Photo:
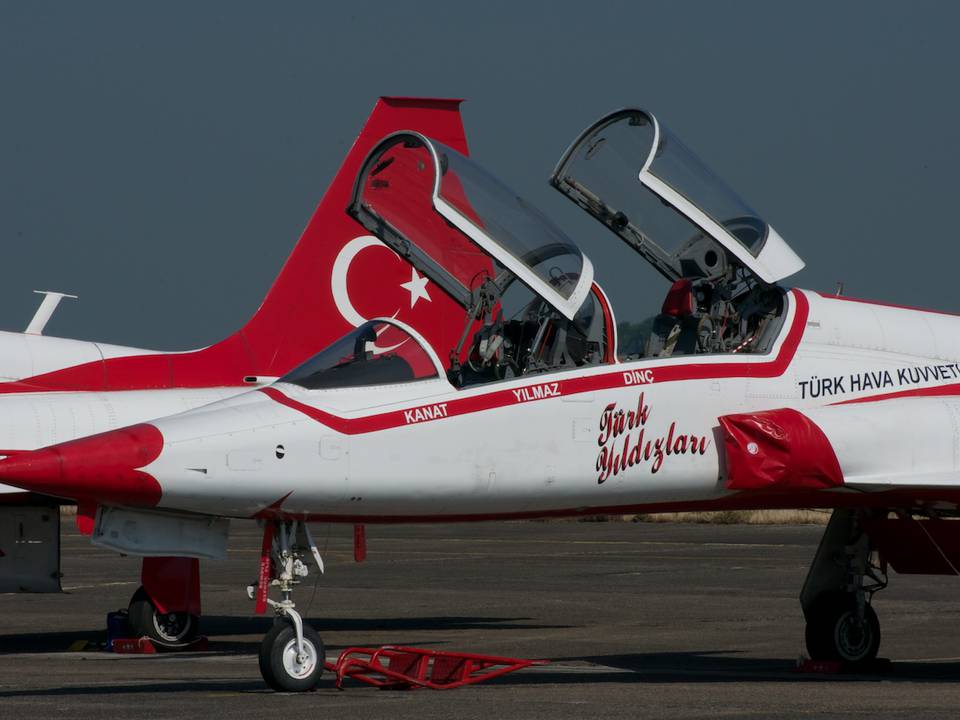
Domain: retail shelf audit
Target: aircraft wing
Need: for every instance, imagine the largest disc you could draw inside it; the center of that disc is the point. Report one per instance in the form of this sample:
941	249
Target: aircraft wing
899	443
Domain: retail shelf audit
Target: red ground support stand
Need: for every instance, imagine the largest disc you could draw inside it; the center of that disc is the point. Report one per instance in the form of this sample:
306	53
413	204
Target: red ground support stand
407	668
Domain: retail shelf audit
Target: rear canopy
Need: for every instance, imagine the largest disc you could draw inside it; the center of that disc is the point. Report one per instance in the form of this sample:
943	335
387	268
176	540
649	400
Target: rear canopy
644	184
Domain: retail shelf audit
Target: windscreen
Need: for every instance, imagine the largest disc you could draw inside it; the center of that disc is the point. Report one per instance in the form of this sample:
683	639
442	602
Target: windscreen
376	353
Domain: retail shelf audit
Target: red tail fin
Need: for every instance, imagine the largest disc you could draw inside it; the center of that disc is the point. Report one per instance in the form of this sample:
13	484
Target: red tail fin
338	275
335	277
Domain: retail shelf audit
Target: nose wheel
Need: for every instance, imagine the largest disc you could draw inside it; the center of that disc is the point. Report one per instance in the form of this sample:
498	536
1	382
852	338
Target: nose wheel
292	655
285	667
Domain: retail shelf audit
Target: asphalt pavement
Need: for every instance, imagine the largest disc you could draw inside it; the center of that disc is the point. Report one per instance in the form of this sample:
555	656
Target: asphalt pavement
637	620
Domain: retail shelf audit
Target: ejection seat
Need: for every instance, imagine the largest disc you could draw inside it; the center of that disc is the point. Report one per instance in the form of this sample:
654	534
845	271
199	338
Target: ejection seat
676	329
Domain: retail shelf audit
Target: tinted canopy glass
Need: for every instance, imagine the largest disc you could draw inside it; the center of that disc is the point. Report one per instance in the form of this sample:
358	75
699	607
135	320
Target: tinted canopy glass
496	213
454	219
395	193
681	169
378	352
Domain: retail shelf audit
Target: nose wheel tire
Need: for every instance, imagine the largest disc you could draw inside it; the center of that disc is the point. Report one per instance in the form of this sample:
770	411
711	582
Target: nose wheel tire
835	631
172	629
285	670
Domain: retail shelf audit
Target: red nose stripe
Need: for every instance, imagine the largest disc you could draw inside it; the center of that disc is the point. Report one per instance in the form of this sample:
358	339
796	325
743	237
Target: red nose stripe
101	467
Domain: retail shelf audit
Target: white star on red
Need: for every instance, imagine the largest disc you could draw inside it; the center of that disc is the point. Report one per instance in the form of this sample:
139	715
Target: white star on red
417	287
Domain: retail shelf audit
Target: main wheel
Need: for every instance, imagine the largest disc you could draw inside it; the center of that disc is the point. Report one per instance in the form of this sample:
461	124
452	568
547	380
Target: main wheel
166	629
835	632
280	666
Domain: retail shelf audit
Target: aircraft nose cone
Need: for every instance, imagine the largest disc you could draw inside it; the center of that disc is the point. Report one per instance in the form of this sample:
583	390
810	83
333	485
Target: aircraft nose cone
102	467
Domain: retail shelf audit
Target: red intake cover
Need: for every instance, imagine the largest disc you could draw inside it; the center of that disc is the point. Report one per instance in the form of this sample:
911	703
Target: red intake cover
778	448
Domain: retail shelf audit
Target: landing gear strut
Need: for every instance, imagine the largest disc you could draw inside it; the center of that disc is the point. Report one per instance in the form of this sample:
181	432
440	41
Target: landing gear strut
292	654
836	597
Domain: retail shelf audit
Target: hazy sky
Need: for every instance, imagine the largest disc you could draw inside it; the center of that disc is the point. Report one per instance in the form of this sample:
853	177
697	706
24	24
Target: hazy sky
160	160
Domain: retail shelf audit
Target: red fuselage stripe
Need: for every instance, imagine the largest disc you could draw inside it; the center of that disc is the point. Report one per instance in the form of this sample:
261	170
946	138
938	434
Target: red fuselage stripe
568	386
937	391
887	305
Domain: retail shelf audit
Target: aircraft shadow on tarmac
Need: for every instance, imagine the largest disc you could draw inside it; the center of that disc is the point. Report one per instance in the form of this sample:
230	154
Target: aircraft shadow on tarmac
720	666
679	667
184	686
226	633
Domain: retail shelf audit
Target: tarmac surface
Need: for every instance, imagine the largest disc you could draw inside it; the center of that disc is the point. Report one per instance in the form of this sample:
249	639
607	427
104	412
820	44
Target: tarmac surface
637	619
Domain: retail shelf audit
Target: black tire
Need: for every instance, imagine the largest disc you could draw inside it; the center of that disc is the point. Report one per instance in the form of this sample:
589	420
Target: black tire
834	632
170	630
278	663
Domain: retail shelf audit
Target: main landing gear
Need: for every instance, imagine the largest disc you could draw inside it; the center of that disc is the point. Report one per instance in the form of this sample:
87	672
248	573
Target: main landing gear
166	607
292	654
836	597
168	630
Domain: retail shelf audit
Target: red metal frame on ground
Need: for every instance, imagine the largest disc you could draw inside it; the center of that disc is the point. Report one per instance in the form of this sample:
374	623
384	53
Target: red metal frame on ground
407	668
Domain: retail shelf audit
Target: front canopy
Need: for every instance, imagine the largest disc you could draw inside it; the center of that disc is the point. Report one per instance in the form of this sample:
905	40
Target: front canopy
643	183
449	217
379	352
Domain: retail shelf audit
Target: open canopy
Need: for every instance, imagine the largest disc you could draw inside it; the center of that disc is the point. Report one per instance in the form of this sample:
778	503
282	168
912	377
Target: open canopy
638	179
449	217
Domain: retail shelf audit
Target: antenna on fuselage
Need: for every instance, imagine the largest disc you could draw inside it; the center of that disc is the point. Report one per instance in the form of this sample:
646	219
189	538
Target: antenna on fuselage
839	292
47	307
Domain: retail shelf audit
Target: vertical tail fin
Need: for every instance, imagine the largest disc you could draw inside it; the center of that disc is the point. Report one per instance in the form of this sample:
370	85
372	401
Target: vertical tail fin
309	304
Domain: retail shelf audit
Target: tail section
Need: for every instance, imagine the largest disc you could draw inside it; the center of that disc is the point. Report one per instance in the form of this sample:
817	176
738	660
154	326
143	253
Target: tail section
338	275
335	278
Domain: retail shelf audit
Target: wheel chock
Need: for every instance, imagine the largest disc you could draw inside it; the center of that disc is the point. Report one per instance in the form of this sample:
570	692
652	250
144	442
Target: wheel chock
146	646
880	666
820	667
133	646
119	641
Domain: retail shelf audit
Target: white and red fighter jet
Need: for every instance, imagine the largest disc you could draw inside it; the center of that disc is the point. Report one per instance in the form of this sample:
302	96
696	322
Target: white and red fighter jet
742	395
54	389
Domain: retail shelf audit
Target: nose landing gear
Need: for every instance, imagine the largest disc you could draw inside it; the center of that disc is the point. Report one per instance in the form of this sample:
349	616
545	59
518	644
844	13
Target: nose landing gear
292	655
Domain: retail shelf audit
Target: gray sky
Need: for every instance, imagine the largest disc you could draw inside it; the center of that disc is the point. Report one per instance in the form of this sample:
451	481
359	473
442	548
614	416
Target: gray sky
160	160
